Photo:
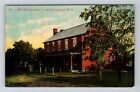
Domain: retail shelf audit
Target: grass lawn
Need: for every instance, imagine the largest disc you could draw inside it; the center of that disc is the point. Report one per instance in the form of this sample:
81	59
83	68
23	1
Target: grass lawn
110	79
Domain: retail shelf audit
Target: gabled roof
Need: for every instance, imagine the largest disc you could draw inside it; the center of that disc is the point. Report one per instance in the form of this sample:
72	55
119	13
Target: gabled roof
77	30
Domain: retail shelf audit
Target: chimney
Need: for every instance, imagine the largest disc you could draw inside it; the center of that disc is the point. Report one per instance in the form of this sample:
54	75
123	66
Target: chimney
61	30
54	31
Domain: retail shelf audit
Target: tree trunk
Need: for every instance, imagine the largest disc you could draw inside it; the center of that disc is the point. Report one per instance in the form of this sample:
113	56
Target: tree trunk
100	73
118	67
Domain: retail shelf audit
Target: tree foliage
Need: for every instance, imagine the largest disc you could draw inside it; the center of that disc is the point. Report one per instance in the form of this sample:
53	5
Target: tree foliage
40	53
110	26
10	64
23	53
114	26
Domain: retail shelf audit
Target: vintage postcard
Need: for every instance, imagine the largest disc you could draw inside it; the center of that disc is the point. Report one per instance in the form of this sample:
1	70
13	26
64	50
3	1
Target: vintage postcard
69	45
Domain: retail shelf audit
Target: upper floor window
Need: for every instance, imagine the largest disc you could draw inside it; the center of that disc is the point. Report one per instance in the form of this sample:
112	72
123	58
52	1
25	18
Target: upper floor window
59	45
52	46
66	44
74	41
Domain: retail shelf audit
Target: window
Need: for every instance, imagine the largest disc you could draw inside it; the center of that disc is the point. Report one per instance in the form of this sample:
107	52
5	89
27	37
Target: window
74	41
52	46
66	44
59	45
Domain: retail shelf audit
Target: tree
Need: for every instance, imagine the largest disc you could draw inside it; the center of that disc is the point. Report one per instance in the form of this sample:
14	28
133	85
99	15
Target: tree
24	54
110	26
10	64
23	58
40	55
40	58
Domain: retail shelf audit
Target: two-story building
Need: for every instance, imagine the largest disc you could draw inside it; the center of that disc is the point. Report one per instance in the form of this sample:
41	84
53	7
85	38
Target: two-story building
65	49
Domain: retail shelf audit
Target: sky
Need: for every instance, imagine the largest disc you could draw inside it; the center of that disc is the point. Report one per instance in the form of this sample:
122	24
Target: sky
35	23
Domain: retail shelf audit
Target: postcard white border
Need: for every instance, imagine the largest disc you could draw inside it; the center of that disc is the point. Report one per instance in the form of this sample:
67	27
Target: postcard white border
96	89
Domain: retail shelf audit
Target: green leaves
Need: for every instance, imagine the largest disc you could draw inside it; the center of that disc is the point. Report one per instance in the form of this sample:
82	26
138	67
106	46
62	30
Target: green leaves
116	22
24	51
114	26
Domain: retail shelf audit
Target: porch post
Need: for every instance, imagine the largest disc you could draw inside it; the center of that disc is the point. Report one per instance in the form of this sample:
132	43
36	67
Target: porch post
40	68
71	63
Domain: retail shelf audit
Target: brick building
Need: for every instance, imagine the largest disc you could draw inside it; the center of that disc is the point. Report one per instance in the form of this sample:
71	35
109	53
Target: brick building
65	49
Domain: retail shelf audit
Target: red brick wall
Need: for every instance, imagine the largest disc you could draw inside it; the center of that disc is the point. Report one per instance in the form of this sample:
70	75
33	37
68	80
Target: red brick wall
86	62
70	44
